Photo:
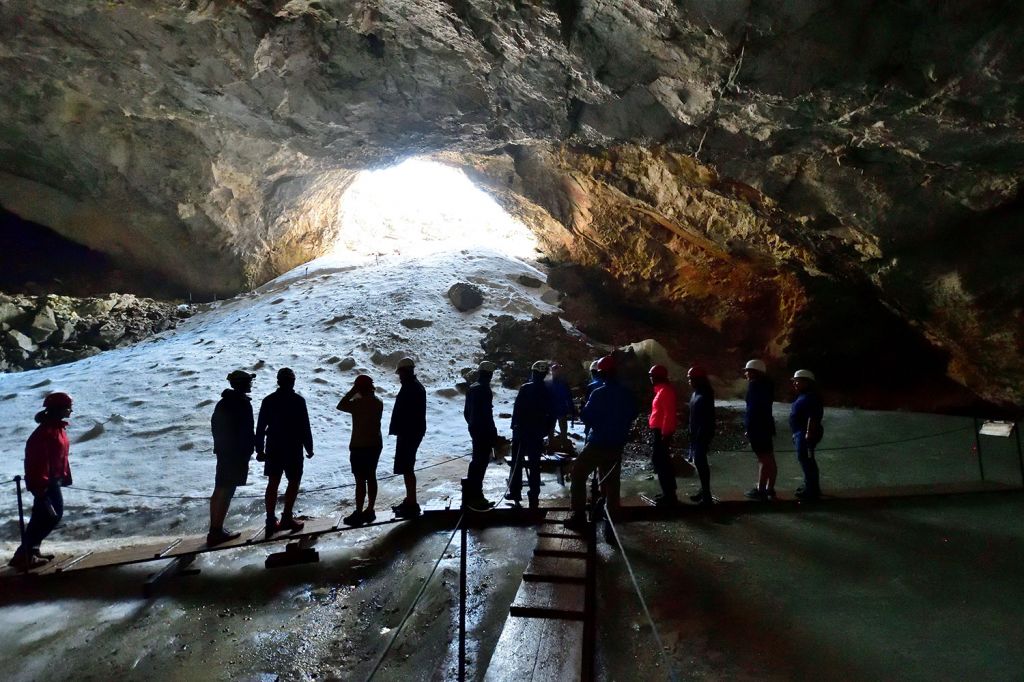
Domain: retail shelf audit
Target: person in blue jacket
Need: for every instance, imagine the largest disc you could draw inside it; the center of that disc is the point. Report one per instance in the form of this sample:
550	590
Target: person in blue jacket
532	420
702	430
805	422
562	405
609	413
479	416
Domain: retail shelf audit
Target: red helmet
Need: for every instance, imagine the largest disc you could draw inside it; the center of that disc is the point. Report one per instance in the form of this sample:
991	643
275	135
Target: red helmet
57	401
363	383
697	371
658	372
606	364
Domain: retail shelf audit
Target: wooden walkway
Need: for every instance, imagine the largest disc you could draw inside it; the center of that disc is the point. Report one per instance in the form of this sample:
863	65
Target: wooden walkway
549	634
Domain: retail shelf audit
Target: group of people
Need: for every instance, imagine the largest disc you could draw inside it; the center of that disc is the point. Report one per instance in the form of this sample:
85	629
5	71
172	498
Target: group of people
280	435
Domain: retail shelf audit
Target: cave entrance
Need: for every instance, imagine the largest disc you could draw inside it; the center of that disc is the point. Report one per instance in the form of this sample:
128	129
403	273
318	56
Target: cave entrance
421	207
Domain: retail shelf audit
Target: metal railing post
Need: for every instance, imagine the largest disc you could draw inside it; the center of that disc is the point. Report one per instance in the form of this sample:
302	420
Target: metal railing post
977	447
462	607
21	507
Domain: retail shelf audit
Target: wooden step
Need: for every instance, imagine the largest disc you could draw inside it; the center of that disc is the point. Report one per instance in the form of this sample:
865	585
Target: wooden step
549	600
556	570
568	547
537	650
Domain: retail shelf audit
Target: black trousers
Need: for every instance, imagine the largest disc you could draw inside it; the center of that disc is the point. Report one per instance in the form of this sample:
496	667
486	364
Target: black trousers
47	510
662	464
526	451
482	446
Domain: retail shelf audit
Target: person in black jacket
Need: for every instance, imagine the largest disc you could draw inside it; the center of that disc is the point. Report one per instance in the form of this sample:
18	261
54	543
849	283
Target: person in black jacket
233	442
480	420
532	420
702	430
408	425
282	432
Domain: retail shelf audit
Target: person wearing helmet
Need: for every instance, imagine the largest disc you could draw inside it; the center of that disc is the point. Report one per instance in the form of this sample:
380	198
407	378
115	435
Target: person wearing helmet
47	469
759	428
364	446
609	413
562	405
662	423
408	425
805	417
595	383
282	432
479	416
532	420
702	430
234	441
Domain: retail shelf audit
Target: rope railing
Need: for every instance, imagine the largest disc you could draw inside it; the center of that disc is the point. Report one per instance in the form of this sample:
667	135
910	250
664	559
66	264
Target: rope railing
862	445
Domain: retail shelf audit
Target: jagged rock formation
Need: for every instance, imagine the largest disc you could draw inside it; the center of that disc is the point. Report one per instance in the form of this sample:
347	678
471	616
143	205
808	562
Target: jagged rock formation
837	182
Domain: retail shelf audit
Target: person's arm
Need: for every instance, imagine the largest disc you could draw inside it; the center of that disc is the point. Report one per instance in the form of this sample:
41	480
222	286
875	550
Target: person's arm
345	404
307	432
261	432
469	408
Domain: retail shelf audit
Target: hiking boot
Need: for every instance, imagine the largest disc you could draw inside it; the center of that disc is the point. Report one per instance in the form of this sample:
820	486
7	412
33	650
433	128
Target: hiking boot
289	524
514	497
401	505
477	503
44	557
697	496
354	519
808	495
219	536
666	501
770	494
576	522
369	516
756	494
25	561
407	510
272	526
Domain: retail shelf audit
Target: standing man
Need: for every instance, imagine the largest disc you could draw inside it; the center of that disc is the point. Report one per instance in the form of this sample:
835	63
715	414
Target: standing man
47	469
609	413
562	406
702	430
759	428
364	446
532	419
662	423
479	414
805	422
233	442
408	425
284	425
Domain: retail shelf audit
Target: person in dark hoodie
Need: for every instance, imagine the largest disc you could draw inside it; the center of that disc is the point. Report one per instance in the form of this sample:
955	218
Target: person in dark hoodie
47	469
702	430
562	405
234	441
805	419
532	420
759	427
408	425
282	432
482	432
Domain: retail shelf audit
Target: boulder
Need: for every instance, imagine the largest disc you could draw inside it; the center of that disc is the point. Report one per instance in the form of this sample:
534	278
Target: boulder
19	342
96	307
465	297
9	311
528	281
43	325
106	335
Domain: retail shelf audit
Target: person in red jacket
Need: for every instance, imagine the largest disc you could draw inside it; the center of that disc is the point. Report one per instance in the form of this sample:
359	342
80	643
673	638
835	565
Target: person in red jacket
662	423
46	470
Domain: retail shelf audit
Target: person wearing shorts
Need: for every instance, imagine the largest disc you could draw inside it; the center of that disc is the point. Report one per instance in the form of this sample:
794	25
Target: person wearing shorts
759	427
364	446
408	425
282	433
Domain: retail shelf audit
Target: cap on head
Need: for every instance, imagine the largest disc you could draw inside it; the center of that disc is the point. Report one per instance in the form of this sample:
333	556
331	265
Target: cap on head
285	375
541	366
486	366
363	382
696	372
803	374
756	365
240	375
606	364
405	363
658	372
57	401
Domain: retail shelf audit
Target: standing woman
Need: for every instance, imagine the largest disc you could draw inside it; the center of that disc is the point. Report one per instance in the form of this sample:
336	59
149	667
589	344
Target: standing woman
702	430
364	446
46	470
662	423
759	428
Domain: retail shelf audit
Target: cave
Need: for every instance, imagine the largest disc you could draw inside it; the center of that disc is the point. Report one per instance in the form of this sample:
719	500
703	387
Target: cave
335	186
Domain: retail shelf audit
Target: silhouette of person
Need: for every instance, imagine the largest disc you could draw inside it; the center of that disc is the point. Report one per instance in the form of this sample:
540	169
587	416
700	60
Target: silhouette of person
234	441
282	432
408	425
532	420
47	469
479	416
364	446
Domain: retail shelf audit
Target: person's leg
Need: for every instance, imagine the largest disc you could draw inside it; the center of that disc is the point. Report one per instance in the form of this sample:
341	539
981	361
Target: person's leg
563	426
700	461
769	471
478	464
273	482
581	470
410	488
40	523
219	503
360	493
663	467
813	475
534	452
515	483
371	492
291	493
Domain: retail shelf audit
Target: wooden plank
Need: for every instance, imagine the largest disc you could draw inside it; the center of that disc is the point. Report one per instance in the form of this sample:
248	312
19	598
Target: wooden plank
562	547
541	650
549	600
556	569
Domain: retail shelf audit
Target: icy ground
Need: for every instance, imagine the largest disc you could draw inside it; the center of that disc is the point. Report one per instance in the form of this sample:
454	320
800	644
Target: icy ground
142	414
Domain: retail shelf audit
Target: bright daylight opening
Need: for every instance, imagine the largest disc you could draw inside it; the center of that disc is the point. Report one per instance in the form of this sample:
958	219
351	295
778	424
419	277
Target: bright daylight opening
421	207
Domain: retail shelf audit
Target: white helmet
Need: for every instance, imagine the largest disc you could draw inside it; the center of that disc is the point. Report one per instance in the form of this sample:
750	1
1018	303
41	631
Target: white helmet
540	366
593	366
486	366
756	365
804	374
